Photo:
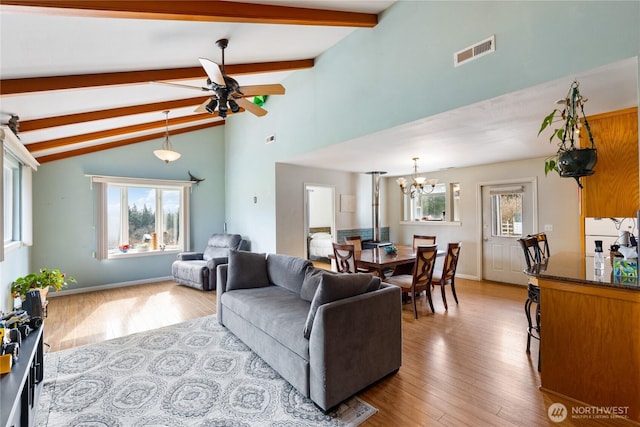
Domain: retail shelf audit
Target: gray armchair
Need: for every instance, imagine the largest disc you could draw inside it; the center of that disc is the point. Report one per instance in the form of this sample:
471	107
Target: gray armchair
198	269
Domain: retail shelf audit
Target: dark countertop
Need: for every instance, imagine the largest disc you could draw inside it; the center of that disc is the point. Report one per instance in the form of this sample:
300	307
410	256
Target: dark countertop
578	268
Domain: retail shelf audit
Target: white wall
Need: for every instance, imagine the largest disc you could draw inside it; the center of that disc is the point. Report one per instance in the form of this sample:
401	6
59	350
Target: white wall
290	181
320	203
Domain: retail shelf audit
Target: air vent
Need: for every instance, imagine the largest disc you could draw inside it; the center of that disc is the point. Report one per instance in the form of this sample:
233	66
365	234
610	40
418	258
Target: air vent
472	52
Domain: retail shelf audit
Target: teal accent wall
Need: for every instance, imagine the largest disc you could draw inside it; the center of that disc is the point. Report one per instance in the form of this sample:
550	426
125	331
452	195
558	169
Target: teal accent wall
402	70
65	207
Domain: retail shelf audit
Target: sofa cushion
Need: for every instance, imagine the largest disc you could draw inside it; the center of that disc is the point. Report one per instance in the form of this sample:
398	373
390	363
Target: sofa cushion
287	271
311	282
274	310
374	284
219	245
246	270
334	287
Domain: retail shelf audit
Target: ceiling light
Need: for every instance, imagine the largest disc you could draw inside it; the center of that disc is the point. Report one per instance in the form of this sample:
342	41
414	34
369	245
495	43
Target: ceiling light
211	106
222	108
166	153
418	186
233	105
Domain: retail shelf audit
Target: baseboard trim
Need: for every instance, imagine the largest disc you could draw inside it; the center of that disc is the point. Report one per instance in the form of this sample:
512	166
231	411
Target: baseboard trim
105	287
468	276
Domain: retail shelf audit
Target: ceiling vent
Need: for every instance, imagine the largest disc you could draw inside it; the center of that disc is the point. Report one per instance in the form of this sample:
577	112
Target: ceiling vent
472	52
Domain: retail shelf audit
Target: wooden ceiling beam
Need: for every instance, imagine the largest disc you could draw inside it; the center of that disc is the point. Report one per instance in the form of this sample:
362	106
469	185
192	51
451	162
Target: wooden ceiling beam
39	84
86	137
121	143
208	11
71	119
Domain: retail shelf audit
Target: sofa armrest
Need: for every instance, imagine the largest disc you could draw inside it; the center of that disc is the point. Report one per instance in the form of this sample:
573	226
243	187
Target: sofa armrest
213	263
354	342
245	245
221	287
190	256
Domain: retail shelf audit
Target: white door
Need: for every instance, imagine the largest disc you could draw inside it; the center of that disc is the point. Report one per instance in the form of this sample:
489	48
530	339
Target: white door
508	213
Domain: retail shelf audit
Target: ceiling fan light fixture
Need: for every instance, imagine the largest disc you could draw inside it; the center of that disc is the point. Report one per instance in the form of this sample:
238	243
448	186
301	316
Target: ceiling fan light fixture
211	106
233	106
166	153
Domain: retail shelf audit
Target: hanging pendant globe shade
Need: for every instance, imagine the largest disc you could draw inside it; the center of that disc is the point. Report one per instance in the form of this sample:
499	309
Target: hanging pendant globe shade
166	153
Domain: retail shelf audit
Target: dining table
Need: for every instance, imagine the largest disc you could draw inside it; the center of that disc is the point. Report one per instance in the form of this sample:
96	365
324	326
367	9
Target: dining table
401	261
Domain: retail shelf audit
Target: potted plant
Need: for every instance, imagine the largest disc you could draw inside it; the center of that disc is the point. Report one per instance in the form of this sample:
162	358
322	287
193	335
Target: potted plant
570	160
42	280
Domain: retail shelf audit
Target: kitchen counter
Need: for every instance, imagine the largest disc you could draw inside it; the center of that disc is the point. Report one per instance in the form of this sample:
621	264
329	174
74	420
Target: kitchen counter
590	335
575	267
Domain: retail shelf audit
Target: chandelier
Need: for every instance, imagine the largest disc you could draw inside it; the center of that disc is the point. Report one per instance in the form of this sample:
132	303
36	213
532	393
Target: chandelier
418	186
166	153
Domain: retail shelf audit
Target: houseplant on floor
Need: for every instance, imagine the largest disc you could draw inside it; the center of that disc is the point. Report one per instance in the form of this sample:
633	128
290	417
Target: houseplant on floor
42	280
570	161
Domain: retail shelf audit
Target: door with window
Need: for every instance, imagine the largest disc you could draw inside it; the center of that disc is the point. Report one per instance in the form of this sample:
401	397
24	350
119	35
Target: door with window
509	212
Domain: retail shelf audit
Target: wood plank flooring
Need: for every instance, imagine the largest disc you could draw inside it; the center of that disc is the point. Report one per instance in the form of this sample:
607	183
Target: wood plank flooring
464	367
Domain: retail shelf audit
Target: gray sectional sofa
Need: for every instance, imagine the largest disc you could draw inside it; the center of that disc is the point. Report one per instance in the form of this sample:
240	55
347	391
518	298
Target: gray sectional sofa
329	335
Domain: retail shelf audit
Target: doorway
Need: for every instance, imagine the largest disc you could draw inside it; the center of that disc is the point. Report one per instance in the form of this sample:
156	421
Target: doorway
319	221
509	212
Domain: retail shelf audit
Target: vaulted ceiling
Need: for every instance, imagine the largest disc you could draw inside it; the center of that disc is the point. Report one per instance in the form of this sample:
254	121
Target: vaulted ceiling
78	72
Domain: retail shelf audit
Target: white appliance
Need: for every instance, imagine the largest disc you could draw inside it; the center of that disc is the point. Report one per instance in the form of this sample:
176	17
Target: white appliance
609	230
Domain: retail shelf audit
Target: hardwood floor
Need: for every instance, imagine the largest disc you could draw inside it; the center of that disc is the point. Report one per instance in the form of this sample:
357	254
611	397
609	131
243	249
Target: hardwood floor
467	366
80	319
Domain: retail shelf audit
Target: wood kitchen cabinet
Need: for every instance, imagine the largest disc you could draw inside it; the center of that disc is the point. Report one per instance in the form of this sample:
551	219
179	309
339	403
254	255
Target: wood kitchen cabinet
613	191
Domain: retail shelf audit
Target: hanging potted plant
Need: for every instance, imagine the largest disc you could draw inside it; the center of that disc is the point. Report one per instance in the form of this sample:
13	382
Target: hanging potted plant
570	161
42	280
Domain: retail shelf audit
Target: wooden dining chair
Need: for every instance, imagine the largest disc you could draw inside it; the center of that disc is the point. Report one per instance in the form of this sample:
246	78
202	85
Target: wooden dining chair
421	278
356	241
448	276
423	240
345	258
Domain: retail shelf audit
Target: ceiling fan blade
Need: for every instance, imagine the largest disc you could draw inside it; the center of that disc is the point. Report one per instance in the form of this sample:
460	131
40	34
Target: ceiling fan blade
201	107
200	89
213	71
256	90
251	107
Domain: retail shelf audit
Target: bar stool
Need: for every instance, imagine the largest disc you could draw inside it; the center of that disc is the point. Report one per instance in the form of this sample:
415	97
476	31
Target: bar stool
532	256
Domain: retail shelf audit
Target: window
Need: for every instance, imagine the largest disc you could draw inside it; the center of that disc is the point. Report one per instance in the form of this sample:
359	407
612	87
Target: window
142	216
11	177
17	164
506	212
439	205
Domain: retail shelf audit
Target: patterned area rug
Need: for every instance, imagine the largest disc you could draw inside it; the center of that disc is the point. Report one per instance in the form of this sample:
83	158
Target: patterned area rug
193	374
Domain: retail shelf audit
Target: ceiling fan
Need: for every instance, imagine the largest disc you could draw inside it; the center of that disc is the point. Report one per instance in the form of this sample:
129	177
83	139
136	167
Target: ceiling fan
227	94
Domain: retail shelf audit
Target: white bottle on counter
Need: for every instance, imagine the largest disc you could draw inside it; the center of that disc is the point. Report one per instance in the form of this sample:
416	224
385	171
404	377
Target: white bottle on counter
598	262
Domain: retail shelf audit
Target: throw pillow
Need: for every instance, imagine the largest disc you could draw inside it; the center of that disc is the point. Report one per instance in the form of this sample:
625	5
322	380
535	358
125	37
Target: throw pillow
311	282
287	271
374	284
334	287
246	270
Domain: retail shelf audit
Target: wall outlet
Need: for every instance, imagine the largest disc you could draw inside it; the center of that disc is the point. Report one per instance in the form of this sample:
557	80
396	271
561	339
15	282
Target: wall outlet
548	227
271	138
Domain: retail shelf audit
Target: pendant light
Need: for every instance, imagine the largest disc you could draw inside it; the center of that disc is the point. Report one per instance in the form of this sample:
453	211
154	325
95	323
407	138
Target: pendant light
166	153
419	186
